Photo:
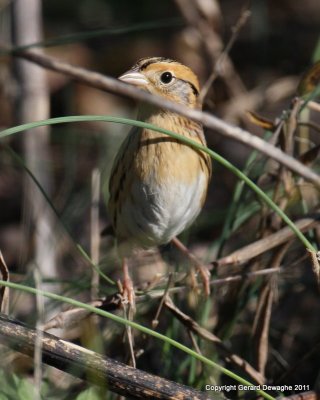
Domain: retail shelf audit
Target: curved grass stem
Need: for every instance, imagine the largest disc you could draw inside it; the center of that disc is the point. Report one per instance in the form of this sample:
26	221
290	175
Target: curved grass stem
135	325
190	142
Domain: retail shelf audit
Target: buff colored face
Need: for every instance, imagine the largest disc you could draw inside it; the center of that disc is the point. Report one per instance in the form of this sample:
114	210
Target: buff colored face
166	78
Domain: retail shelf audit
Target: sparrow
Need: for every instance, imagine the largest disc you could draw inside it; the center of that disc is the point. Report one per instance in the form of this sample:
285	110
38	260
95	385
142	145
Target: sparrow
158	185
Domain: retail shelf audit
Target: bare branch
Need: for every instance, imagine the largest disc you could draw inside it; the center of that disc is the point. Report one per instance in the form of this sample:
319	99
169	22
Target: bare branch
267	243
93	367
106	83
191	324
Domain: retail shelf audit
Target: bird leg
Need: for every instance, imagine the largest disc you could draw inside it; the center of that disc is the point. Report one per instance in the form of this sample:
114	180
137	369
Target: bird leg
127	290
128	299
202	269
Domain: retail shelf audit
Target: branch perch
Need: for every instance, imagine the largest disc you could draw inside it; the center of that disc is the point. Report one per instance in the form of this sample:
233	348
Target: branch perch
113	85
93	367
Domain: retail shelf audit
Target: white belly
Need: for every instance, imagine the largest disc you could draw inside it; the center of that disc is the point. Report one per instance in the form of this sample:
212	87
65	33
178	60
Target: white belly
153	215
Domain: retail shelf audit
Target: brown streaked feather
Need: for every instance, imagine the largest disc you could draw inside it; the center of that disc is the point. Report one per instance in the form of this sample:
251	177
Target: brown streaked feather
151	159
147	152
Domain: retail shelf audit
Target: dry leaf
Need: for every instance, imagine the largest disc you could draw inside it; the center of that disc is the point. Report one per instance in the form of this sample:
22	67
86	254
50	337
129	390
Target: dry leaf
304	192
309	156
258	120
70	318
310	80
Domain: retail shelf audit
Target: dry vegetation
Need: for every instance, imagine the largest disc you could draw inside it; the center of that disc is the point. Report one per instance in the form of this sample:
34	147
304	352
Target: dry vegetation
262	318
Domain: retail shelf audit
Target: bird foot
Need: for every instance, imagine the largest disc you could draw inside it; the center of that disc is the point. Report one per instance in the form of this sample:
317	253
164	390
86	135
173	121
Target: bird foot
205	277
127	293
202	269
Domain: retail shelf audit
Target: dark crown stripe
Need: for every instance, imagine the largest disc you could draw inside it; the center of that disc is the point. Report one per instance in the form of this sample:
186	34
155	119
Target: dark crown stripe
154	60
144	63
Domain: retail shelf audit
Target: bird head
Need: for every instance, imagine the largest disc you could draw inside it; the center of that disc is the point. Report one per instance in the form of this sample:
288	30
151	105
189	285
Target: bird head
166	78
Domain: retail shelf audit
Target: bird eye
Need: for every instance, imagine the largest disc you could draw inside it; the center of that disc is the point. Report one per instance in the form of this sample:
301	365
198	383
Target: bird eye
166	77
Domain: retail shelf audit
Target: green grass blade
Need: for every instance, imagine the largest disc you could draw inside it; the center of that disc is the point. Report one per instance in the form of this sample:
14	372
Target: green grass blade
81	250
190	142
137	326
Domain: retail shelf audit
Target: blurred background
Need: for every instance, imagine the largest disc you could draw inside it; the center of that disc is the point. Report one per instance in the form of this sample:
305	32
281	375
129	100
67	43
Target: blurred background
267	53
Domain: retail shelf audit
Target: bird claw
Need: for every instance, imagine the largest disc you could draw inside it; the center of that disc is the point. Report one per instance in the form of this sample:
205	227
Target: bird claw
205	277
127	293
202	269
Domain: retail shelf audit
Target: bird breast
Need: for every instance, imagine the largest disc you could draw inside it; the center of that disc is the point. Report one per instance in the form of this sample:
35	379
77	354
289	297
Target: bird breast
158	211
164	183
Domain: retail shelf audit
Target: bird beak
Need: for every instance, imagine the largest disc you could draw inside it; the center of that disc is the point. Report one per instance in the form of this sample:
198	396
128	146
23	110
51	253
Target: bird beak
134	78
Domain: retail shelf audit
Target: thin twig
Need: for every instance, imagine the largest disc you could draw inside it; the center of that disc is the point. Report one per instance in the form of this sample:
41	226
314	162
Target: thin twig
193	326
311	125
245	14
314	106
128	314
261	325
4	291
311	353
155	294
95	230
202	269
212	42
38	366
71	317
155	320
267	243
